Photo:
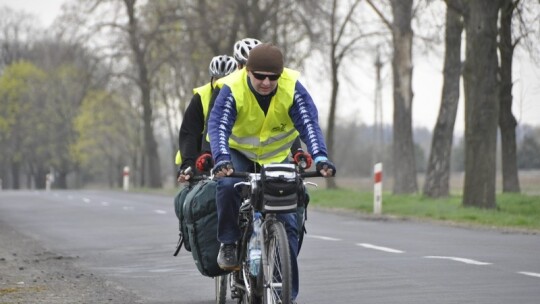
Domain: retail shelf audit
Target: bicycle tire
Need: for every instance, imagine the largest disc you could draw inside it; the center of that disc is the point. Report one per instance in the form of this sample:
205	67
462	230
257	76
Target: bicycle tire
221	288
276	265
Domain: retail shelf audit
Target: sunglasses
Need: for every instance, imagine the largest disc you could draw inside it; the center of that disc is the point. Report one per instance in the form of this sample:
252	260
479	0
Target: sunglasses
272	77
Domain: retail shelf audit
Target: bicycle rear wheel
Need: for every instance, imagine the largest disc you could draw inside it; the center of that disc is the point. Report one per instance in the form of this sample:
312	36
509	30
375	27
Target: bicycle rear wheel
277	265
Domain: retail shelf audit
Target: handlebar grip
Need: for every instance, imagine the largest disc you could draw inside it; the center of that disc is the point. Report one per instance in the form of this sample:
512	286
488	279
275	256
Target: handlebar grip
197	178
311	174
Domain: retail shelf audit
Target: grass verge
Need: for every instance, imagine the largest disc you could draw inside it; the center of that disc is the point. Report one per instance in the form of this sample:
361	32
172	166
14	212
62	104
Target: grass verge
516	211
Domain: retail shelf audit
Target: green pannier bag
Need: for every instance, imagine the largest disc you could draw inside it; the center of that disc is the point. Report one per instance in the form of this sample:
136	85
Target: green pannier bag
200	217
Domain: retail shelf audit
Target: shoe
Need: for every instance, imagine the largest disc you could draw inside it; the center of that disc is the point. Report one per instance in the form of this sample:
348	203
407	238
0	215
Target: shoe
227	257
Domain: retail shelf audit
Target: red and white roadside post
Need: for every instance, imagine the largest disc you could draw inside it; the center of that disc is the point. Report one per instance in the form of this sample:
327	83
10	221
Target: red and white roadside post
377	188
125	173
48	181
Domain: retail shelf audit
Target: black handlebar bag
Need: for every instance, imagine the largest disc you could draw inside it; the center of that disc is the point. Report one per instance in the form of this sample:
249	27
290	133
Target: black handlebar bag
280	184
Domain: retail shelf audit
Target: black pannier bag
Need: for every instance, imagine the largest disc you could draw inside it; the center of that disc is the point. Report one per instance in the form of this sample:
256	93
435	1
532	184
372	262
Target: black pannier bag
179	211
280	185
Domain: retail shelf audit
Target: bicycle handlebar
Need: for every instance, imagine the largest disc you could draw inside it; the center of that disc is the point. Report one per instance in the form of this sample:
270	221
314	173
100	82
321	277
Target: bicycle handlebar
302	174
311	174
199	177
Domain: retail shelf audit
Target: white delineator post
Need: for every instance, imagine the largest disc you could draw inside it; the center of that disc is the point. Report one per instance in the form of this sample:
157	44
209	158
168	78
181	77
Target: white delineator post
126	178
377	188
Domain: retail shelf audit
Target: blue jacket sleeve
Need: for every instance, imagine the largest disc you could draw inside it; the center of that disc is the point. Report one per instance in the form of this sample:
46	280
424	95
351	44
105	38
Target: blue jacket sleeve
305	116
220	124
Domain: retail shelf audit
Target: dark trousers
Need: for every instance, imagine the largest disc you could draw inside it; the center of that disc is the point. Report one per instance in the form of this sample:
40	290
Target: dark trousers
228	205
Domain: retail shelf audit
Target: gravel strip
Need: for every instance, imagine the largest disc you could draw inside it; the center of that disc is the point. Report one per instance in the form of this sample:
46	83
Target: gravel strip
29	273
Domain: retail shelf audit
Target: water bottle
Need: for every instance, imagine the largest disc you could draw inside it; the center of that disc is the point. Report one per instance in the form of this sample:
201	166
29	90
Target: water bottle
254	248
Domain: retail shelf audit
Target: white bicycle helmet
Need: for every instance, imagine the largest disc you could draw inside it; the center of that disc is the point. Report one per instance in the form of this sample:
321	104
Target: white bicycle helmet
221	66
242	49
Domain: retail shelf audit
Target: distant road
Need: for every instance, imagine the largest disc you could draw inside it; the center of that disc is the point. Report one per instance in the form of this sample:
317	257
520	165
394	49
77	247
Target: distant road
129	238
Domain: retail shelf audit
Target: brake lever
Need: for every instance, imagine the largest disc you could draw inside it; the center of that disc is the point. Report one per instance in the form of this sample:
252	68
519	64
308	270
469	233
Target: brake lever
311	184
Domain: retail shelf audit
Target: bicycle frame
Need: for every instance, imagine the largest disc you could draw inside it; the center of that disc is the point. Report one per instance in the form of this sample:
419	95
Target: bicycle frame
261	289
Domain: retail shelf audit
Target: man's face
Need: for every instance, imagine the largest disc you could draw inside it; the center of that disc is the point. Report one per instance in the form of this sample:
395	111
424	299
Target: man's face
263	82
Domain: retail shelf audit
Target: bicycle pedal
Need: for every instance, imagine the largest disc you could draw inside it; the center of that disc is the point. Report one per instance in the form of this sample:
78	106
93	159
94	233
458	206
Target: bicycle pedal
246	206
235	294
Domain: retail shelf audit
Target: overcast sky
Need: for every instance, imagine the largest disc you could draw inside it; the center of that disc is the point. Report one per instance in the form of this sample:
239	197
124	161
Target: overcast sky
427	84
46	10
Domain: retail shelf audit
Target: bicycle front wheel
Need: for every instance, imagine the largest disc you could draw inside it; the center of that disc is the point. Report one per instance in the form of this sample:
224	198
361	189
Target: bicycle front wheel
277	265
221	288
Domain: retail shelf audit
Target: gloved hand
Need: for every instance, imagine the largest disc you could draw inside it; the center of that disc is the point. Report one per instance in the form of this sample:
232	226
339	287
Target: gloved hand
324	166
222	168
303	159
204	162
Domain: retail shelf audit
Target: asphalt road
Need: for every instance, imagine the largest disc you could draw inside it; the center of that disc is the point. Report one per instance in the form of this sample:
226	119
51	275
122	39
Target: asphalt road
130	238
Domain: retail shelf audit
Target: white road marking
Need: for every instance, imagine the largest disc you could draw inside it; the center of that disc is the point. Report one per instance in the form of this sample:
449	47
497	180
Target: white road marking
532	274
161	270
127	208
86	200
158	211
105	204
463	260
385	249
324	238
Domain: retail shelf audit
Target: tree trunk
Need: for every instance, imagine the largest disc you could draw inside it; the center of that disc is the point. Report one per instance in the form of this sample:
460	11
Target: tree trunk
481	104
15	175
152	165
438	171
402	66
330	182
60	181
507	121
40	176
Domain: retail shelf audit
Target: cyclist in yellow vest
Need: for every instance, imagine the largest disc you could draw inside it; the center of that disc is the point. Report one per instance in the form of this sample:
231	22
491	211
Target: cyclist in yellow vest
241	50
190	138
259	112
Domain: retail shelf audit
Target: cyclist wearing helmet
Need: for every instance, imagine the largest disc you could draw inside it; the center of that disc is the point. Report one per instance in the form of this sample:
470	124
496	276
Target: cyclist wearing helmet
242	48
190	137
221	66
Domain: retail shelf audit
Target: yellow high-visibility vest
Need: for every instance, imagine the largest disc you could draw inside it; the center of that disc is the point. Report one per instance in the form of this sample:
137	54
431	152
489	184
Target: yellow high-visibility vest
205	92
263	138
